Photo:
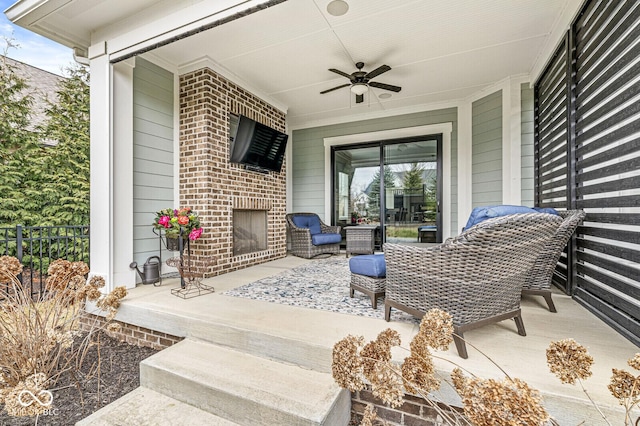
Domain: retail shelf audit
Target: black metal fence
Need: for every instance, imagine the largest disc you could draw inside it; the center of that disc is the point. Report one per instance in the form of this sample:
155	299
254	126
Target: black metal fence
37	246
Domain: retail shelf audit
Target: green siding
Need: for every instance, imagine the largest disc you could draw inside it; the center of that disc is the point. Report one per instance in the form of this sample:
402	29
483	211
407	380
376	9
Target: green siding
526	118
486	137
308	155
152	152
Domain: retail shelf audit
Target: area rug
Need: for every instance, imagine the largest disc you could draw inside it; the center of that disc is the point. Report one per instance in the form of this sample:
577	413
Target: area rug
320	284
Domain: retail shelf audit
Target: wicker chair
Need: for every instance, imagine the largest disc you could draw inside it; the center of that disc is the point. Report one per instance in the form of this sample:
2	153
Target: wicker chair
477	276
302	239
539	279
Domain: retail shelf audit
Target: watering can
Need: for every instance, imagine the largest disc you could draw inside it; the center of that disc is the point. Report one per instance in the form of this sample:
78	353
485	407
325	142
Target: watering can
150	273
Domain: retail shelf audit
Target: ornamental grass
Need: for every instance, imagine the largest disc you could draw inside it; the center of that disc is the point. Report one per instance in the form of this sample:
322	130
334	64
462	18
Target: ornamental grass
39	336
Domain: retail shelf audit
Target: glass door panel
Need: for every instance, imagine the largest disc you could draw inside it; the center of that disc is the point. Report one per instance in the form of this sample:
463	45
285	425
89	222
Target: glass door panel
411	191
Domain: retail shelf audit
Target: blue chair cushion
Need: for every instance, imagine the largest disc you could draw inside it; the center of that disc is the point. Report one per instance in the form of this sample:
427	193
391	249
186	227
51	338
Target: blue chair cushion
480	214
546	210
427	228
321	239
311	222
371	265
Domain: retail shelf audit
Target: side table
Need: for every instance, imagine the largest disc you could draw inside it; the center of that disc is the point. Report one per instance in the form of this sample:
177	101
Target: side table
361	239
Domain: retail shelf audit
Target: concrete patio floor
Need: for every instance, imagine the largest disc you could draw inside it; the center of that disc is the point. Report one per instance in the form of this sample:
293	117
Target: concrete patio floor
522	357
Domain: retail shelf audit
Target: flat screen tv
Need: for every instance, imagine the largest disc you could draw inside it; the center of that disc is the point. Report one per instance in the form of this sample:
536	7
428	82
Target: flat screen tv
256	145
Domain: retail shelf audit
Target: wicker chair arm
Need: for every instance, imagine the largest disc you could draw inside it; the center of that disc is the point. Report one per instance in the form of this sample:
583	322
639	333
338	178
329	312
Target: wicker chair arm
328	229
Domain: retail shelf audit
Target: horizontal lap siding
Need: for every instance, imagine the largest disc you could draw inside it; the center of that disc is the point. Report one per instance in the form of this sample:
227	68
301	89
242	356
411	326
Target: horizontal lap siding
152	153
486	139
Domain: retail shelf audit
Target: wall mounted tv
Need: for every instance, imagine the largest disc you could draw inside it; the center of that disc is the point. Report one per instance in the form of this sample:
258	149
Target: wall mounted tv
255	145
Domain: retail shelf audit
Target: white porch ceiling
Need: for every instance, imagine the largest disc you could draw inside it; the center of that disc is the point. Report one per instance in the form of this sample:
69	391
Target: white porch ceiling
440	51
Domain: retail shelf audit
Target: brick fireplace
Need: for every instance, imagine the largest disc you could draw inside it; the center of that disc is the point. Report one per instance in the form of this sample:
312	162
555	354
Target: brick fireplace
215	188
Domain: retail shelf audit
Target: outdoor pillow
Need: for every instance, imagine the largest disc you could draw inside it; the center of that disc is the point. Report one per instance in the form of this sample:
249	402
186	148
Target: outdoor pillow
546	210
480	214
320	239
310	222
370	265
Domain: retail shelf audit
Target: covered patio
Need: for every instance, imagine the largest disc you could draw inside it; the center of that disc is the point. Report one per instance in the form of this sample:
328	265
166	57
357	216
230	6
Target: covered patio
305	337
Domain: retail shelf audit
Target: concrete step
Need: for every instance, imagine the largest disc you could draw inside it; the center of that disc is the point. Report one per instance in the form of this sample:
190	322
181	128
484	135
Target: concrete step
146	407
266	344
243	388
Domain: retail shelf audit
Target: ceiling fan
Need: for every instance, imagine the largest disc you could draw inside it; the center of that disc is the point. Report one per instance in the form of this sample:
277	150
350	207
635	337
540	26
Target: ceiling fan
360	81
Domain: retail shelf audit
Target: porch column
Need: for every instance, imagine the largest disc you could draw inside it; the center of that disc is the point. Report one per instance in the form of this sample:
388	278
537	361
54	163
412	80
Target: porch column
101	197
123	173
511	143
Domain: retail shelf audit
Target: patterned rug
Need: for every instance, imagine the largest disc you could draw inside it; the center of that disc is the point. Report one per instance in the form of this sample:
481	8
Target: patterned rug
321	284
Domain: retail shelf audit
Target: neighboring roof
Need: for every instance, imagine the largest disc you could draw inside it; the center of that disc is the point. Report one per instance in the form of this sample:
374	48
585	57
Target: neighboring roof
42	85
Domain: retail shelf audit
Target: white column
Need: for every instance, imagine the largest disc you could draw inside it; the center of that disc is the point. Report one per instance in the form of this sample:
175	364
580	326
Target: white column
101	198
511	143
465	164
123	173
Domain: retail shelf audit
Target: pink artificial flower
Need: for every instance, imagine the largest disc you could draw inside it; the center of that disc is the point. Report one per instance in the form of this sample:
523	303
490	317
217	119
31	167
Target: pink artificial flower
195	234
164	221
183	220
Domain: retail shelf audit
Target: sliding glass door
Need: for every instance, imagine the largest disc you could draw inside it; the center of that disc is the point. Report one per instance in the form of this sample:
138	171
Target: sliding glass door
395	185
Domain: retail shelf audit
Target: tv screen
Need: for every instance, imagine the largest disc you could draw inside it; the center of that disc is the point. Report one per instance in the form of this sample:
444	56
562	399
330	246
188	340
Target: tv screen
256	145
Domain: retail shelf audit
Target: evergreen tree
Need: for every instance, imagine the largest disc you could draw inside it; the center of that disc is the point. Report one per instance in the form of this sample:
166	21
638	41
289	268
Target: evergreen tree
374	193
66	166
20	202
412	180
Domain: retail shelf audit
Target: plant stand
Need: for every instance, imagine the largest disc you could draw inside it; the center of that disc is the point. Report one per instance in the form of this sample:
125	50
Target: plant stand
191	275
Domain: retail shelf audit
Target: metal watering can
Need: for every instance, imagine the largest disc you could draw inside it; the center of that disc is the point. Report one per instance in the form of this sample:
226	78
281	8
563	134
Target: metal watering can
151	270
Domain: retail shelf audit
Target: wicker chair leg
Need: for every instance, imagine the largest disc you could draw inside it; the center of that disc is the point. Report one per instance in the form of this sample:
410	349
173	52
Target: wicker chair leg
374	301
520	325
387	312
460	344
547	297
351	291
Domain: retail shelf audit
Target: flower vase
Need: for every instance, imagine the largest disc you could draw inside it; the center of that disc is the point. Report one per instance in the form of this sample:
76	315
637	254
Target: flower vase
173	243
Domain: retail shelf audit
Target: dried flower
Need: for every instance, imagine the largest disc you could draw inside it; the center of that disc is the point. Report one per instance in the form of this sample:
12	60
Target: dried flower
114	327
10	268
624	385
489	402
379	350
97	281
419	375
347	364
437	328
634	362
387	385
569	360
369	416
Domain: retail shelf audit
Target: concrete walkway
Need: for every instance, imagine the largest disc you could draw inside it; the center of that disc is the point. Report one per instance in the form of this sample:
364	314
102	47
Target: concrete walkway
305	337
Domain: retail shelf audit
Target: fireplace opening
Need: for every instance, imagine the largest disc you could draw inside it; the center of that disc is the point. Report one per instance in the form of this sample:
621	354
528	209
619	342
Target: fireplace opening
249	231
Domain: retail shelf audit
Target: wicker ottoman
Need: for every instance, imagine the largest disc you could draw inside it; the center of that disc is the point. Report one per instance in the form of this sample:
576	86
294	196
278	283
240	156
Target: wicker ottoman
368	274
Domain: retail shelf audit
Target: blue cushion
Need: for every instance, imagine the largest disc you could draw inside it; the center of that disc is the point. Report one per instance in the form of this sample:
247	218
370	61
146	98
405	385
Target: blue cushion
480	214
311	222
320	239
371	265
427	228
546	210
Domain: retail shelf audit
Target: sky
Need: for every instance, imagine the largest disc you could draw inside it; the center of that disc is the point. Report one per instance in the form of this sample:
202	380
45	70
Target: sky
33	49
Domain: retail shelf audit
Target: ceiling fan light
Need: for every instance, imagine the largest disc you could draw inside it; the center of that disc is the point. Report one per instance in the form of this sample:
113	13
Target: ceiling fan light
359	89
337	7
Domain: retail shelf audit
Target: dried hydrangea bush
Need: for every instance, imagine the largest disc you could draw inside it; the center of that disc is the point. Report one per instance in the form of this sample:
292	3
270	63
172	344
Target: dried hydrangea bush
39	336
485	402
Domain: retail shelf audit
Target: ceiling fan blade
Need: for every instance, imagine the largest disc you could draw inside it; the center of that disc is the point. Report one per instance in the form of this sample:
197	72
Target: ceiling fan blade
377	71
342	73
335	88
385	86
359	99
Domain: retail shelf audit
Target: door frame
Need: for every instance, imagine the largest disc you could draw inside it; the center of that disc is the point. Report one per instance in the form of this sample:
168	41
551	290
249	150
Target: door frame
441	128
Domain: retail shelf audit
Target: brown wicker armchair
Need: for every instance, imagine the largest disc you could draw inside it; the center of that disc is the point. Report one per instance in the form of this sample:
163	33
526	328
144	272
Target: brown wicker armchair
538	281
477	276
307	243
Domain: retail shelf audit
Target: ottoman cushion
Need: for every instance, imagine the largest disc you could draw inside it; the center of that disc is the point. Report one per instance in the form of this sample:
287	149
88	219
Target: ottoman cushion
370	265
